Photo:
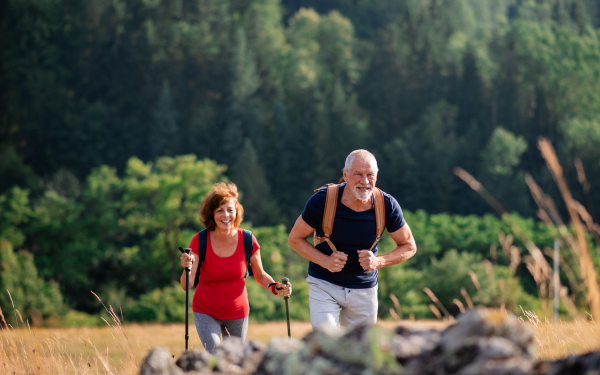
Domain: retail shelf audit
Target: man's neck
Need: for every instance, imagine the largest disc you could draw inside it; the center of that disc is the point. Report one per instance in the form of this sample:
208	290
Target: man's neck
350	201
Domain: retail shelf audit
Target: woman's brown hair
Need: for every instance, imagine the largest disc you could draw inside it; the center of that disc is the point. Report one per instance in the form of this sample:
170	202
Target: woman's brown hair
219	194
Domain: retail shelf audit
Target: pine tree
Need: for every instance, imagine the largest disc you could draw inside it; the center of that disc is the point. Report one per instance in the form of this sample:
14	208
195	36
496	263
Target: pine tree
247	173
163	139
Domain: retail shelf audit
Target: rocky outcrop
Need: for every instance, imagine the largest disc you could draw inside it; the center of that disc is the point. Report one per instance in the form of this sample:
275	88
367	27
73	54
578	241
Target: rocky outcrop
482	341
159	362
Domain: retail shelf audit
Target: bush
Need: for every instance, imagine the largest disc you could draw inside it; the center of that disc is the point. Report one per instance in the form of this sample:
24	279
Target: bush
75	318
166	305
33	297
264	306
496	284
404	283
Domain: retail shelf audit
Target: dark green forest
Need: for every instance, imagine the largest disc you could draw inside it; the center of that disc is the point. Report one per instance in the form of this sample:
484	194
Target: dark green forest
116	117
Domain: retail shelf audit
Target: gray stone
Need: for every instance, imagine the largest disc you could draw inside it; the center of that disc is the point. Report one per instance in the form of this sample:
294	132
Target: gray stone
196	361
160	362
487	323
509	366
410	342
585	364
482	342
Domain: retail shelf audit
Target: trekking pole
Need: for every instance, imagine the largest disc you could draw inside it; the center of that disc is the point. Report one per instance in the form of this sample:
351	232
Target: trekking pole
187	297
285	281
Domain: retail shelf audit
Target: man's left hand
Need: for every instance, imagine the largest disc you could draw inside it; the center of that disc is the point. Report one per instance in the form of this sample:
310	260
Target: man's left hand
367	260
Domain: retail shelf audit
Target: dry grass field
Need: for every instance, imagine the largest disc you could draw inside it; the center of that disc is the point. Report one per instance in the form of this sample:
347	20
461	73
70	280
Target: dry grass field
120	350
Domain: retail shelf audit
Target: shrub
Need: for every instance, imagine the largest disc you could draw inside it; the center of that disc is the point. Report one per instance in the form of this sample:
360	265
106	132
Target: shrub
32	296
166	305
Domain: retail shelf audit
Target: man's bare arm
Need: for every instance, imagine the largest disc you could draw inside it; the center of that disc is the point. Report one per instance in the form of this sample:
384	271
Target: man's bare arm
297	241
405	249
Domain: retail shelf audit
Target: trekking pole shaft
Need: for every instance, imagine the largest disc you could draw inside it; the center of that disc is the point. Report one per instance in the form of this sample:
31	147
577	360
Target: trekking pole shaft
287	309
187	301
287	315
187	298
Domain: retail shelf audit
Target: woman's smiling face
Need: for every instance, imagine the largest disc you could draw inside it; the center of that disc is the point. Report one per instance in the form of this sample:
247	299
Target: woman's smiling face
225	215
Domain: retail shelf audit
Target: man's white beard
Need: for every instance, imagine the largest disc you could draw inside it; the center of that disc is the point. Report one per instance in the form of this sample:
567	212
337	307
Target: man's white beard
363	196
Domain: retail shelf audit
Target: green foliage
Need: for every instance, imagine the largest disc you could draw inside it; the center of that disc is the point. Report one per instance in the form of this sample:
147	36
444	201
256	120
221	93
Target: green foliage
426	85
30	296
491	285
259	205
503	152
280	92
404	283
278	261
74	318
14	211
164	305
583	136
163	197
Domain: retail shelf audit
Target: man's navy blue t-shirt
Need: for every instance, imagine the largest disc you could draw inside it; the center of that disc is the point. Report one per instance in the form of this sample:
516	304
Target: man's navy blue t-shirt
352	231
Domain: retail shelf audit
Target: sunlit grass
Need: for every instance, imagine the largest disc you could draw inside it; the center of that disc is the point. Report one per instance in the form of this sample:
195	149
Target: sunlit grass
555	340
103	350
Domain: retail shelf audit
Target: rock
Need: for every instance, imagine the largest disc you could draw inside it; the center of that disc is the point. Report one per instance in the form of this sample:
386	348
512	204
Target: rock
160	362
411	342
196	361
586	364
482	342
510	366
235	356
331	351
280	357
484	323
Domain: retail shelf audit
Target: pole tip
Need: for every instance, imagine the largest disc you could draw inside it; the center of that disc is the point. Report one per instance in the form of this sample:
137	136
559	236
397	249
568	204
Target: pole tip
284	280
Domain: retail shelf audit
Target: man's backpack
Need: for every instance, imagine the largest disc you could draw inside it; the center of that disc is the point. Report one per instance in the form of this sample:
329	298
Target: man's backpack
202	238
329	215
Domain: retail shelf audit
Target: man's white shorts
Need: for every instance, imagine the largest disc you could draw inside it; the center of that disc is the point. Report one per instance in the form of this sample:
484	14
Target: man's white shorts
329	303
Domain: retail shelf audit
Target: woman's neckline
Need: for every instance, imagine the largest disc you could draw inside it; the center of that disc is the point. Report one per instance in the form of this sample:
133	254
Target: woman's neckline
236	245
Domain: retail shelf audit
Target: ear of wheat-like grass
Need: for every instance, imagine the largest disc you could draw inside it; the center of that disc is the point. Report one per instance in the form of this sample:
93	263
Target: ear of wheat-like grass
438	303
587	269
536	262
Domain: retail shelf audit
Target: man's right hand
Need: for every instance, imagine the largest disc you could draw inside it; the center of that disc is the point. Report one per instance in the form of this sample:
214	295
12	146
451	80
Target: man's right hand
337	261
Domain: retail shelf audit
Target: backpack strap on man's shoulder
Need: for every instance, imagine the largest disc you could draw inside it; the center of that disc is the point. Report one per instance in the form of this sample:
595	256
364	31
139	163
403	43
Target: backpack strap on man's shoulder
324	186
202	239
379	204
331	199
248	246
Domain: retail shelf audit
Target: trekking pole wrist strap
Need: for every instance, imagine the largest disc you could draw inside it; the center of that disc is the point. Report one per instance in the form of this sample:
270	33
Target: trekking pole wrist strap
272	286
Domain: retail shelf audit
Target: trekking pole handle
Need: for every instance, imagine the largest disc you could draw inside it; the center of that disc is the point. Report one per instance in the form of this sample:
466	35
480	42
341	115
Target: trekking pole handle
188	252
285	281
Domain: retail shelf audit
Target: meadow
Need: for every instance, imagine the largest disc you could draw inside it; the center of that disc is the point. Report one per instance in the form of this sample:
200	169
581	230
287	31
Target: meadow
120	349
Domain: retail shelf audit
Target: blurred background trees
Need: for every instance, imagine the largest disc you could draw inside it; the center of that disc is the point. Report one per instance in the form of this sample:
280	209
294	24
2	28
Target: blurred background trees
100	99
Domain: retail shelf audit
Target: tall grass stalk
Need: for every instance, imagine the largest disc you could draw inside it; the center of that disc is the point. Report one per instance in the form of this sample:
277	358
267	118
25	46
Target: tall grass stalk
587	269
23	351
556	340
578	257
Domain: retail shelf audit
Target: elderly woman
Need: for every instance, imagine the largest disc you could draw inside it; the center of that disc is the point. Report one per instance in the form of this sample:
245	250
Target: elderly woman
220	302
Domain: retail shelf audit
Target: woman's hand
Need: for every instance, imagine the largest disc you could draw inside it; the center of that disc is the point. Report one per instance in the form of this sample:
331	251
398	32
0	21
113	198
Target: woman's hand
283	289
187	260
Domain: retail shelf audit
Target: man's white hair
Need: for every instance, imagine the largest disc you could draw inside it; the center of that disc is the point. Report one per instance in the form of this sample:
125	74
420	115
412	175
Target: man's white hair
364	154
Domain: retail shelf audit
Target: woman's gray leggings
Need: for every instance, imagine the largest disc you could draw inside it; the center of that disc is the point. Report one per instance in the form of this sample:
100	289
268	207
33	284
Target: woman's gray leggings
210	329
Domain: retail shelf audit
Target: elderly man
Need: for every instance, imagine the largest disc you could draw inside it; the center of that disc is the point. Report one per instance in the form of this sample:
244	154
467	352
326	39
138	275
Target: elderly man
342	274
